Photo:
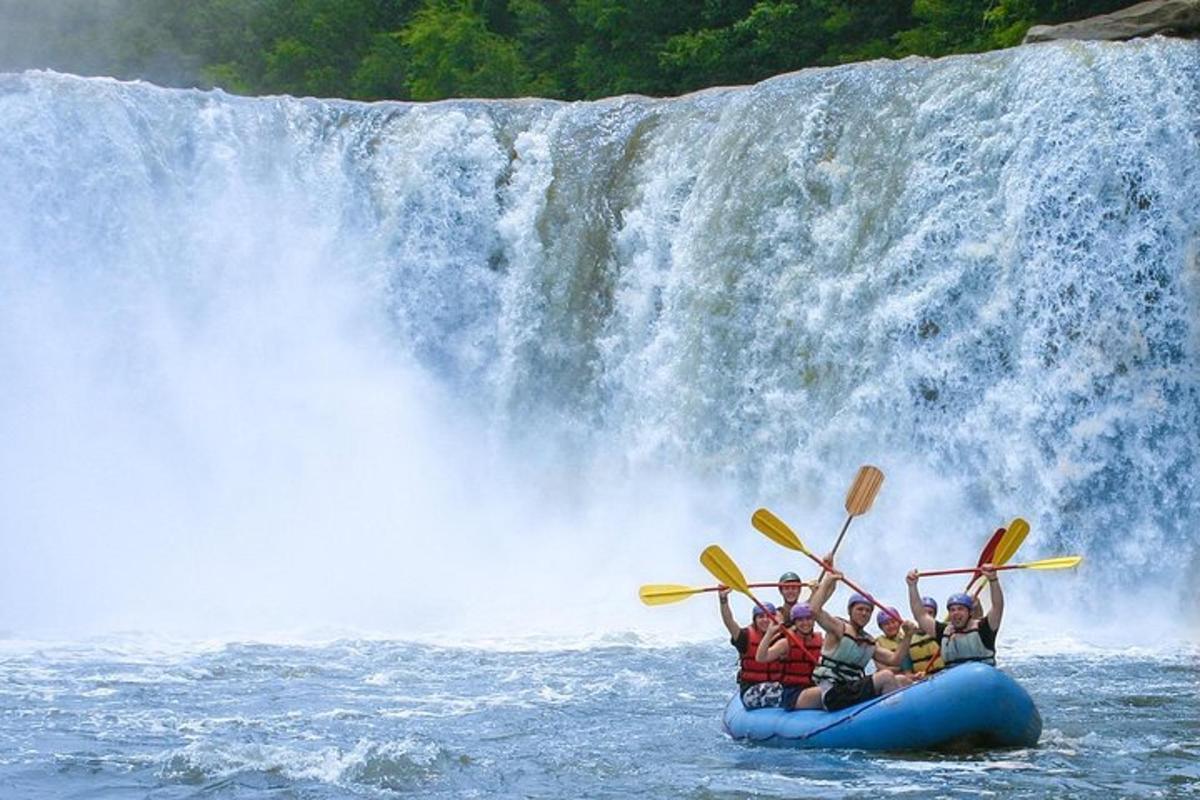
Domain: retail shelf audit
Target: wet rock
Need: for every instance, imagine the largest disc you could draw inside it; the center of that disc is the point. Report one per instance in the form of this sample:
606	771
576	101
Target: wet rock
1179	18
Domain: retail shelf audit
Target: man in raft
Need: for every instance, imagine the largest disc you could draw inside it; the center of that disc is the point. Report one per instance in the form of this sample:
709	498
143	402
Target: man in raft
965	637
758	682
841	674
797	662
923	650
789	589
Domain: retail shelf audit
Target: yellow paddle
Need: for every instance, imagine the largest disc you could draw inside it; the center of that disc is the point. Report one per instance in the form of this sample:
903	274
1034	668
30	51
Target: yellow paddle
1012	539
777	531
660	594
1061	562
721	566
858	501
1018	529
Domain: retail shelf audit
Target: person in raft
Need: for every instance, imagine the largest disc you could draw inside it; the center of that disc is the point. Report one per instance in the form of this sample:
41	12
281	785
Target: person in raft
923	654
797	663
758	682
965	637
841	676
789	589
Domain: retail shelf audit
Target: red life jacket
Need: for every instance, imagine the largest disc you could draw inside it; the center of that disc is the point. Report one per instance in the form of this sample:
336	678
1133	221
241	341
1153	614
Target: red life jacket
799	663
753	670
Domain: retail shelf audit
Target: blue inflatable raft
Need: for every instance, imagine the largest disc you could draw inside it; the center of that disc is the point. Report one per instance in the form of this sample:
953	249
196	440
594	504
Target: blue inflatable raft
972	705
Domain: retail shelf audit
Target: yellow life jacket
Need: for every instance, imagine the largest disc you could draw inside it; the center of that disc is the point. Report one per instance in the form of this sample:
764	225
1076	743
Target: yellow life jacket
921	649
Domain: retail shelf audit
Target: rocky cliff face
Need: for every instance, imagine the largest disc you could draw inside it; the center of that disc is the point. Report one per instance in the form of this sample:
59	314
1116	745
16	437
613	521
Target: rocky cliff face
1163	17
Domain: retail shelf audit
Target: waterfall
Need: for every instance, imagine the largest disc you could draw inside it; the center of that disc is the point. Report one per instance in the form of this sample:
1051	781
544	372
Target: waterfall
273	362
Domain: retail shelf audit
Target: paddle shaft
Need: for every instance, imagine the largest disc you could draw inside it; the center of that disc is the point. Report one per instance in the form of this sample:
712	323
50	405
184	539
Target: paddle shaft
837	544
788	632
965	570
828	568
763	585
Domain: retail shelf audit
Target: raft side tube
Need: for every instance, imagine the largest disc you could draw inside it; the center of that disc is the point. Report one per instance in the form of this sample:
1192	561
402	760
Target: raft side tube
973	705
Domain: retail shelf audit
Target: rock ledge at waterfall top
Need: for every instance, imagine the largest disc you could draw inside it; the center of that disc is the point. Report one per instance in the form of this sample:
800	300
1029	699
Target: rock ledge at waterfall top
1165	17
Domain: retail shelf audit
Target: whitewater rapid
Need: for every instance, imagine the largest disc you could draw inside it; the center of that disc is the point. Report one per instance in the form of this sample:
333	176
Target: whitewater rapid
281	364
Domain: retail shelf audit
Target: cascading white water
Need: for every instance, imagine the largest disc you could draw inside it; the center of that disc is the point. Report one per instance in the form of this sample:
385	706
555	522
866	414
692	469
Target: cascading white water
286	363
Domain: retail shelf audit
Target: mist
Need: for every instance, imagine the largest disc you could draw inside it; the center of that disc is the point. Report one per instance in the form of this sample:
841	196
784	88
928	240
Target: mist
290	366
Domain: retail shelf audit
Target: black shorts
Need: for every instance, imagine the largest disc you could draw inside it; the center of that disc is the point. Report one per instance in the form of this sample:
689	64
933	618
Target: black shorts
844	695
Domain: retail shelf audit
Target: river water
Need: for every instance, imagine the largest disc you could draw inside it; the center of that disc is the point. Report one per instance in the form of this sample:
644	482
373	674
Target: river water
280	364
616	717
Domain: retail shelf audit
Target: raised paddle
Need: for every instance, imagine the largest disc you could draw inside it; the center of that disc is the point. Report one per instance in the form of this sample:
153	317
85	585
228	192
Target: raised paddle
721	566
1061	562
660	594
989	550
858	501
1013	537
1018	529
777	531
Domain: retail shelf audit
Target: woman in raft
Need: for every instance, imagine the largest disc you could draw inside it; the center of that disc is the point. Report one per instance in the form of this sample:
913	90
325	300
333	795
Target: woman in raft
841	674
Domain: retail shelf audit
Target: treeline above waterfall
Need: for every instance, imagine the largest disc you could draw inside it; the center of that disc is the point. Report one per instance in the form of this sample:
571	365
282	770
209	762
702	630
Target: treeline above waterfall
435	49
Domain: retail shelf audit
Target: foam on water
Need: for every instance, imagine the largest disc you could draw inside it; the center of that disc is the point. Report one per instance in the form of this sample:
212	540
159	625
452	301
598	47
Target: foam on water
533	723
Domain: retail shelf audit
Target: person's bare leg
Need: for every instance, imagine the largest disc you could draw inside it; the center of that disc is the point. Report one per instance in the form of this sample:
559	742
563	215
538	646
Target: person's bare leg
887	681
809	698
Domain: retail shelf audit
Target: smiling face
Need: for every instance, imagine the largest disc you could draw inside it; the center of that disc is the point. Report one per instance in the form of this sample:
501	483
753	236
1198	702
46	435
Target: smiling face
805	626
860	614
762	622
890	627
790	592
960	615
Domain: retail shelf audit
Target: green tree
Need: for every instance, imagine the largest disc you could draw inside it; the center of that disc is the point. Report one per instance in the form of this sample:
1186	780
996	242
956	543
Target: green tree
774	36
858	30
451	53
946	26
619	51
383	72
547	34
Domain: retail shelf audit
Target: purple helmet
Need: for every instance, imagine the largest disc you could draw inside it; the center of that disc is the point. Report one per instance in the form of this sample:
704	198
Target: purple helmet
801	611
883	616
765	608
856	599
960	599
930	604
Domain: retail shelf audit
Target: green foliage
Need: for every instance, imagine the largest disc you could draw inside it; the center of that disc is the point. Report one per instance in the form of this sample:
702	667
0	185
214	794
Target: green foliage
431	49
546	33
452	52
618	50
383	71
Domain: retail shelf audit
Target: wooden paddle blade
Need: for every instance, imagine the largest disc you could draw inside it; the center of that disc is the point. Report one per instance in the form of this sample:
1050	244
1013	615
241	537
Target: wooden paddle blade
863	490
1064	562
1018	529
776	530
660	594
721	566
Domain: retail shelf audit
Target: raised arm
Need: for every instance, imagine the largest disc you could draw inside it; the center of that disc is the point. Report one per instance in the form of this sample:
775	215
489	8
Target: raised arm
831	624
925	621
776	650
997	612
727	614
